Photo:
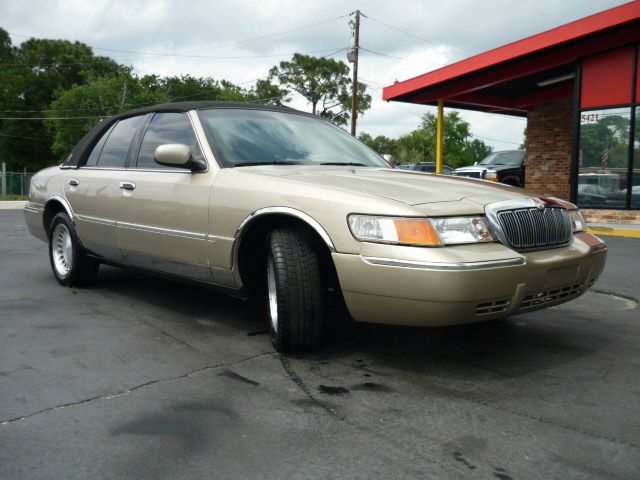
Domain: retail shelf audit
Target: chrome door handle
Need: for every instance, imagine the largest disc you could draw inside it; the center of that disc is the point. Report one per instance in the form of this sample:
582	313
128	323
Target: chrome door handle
74	182
127	185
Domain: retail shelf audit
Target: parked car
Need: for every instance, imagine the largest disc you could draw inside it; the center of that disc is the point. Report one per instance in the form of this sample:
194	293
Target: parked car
285	207
593	194
429	167
506	167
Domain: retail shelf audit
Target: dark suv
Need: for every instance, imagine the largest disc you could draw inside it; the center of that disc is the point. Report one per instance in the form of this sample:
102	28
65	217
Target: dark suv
506	166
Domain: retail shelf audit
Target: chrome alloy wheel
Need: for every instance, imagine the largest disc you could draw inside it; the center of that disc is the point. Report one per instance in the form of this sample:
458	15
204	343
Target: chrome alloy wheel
62	250
273	297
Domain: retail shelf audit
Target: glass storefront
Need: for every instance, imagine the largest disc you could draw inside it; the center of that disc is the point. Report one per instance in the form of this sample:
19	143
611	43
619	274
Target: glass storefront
635	174
608	162
604	157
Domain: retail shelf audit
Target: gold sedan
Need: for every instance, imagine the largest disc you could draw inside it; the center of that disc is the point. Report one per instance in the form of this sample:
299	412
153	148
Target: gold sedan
281	205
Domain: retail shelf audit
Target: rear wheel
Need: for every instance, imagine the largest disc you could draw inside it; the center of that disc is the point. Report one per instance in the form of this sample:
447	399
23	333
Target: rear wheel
294	290
69	262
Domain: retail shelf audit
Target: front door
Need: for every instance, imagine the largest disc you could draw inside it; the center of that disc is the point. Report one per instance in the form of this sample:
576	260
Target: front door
163	222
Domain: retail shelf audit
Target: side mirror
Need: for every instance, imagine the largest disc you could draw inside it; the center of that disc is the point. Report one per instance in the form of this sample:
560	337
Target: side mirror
177	155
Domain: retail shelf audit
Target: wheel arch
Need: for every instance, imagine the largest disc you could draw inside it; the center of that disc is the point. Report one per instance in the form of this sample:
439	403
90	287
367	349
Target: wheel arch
54	205
249	251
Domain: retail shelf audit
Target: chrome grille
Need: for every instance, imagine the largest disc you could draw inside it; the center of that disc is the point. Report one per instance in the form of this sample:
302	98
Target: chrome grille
531	228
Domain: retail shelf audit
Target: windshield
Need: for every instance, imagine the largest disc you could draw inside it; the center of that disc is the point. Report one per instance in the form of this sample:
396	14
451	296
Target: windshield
242	137
510	157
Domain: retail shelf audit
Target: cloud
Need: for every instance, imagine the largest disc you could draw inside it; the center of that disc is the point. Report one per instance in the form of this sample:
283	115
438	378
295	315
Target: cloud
450	31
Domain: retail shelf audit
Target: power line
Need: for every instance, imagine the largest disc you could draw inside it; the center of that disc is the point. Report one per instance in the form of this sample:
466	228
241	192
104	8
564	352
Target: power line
393	57
268	35
232	57
413	35
48	118
183	53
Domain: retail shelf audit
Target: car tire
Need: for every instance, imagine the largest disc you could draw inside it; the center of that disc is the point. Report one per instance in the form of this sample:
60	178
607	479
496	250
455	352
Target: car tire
69	262
294	291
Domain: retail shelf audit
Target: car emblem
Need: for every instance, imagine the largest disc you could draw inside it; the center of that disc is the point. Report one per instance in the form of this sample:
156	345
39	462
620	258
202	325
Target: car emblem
539	204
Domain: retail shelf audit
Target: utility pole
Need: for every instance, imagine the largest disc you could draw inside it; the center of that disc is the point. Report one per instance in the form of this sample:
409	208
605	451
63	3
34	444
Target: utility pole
354	59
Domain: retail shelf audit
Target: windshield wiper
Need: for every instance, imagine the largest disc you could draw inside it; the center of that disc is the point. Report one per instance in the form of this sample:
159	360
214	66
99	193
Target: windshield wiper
274	162
348	164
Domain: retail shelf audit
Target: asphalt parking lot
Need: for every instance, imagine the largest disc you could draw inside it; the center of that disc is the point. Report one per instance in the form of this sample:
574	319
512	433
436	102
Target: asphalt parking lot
138	377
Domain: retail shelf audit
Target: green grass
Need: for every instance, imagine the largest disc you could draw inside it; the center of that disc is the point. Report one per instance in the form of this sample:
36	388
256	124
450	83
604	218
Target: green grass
13	197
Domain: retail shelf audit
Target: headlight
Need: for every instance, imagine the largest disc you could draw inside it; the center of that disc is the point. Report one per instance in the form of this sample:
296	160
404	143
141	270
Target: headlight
420	231
456	230
577	221
491	175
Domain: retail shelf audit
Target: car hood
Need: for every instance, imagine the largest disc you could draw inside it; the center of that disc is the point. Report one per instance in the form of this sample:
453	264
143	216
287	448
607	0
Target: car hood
409	187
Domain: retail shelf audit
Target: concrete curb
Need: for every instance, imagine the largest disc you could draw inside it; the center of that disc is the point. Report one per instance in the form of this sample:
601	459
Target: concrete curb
12	205
631	231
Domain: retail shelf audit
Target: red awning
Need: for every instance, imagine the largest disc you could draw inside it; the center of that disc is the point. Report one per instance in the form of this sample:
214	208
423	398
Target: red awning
513	77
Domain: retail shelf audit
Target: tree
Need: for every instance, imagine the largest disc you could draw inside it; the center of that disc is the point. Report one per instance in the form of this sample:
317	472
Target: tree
458	145
101	97
380	144
104	96
30	77
269	94
325	83
605	138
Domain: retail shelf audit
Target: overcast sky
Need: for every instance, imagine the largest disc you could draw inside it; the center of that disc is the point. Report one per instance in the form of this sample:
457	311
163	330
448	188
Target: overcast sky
447	30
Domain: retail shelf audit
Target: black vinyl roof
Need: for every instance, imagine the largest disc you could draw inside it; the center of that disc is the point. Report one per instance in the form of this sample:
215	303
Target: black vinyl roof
83	148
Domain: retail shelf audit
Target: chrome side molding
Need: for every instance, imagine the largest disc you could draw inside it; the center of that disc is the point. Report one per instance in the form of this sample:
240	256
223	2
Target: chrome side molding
393	262
162	231
287	211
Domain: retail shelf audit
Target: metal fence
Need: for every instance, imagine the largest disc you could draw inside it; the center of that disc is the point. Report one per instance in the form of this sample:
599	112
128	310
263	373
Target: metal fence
14	183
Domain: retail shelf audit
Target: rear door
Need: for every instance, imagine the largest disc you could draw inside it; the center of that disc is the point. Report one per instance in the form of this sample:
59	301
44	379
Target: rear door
163	223
93	189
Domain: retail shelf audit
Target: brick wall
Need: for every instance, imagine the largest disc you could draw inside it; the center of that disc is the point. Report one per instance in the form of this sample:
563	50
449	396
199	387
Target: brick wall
548	144
630	217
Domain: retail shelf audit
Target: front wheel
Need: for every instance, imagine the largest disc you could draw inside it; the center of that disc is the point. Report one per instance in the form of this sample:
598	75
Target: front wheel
294	290
70	264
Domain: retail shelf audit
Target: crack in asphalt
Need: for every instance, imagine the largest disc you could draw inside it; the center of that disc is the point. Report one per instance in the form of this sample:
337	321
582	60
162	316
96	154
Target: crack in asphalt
618	295
125	391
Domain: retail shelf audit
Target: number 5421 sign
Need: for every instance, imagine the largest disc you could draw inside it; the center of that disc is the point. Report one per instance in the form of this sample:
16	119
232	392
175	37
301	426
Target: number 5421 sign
589	117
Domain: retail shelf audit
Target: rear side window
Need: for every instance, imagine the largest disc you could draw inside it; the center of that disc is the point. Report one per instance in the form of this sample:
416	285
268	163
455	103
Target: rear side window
116	146
92	161
167	128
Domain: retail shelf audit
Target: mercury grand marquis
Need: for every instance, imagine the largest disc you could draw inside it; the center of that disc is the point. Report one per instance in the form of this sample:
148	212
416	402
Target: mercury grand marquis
282	206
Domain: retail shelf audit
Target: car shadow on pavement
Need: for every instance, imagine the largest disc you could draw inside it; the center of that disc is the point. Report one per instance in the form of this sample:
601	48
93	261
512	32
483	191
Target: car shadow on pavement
509	348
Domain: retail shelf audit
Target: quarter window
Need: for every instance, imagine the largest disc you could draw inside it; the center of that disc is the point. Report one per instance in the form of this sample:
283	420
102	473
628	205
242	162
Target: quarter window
92	161
115	149
167	128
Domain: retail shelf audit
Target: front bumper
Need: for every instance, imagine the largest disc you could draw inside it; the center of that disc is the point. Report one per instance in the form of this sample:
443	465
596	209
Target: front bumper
398	285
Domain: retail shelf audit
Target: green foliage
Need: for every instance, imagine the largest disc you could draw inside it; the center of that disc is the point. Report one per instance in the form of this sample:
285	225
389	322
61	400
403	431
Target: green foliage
380	144
459	146
29	77
108	95
325	83
523	145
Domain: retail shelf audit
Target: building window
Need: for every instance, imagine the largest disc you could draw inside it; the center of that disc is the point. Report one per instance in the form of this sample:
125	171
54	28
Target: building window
604	157
635	174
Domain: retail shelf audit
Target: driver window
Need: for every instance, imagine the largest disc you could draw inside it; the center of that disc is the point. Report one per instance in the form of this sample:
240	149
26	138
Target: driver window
167	128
